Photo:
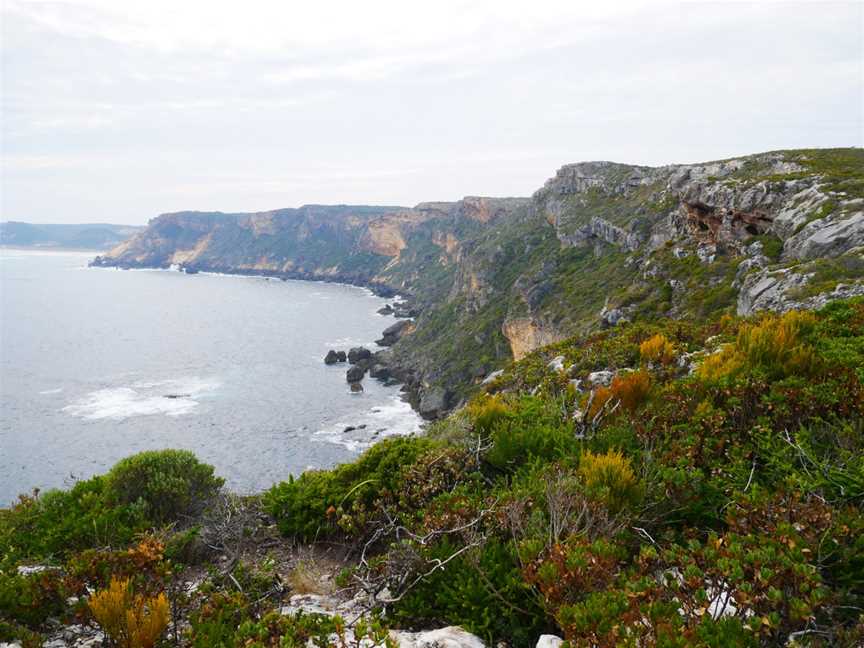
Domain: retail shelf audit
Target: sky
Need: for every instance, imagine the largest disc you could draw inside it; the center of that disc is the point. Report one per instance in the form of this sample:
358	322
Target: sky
118	110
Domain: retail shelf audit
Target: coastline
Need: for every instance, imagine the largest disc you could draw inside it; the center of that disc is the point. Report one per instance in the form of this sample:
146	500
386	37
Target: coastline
410	387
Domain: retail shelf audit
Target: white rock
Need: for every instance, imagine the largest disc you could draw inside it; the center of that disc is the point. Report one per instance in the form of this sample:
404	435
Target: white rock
28	570
450	637
549	641
603	377
492	376
557	363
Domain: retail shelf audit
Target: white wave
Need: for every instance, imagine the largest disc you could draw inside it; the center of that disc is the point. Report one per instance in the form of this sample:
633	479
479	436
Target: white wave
395	418
348	342
14	254
143	398
51	391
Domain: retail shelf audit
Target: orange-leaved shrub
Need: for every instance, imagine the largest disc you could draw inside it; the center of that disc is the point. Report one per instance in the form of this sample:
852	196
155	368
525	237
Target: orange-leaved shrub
657	349
775	345
631	389
131	620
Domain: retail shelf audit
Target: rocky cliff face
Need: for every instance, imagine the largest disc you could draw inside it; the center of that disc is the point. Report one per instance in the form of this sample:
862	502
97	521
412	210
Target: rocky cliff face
599	244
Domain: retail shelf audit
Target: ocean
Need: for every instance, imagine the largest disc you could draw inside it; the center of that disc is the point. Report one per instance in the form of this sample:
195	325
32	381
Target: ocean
97	364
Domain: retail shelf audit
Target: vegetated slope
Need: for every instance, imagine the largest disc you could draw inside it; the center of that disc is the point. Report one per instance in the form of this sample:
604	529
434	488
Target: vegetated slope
92	236
599	243
666	483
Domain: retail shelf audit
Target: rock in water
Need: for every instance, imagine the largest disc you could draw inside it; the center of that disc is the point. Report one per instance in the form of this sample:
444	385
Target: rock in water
380	371
356	387
355	374
332	357
358	353
392	333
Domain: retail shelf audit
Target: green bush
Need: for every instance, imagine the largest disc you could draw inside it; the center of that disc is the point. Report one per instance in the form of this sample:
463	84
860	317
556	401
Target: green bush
170	483
483	592
56	523
310	506
536	428
30	600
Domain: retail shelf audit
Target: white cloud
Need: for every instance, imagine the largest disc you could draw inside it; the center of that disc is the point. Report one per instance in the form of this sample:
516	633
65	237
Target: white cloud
133	108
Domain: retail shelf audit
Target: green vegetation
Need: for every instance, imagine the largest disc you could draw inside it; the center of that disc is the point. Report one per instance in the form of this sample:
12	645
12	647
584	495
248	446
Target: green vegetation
714	507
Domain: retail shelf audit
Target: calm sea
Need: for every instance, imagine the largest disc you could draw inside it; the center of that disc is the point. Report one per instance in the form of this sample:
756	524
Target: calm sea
97	364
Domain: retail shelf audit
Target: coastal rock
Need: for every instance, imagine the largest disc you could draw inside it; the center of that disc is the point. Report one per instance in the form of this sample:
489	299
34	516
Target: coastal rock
394	332
433	403
358	353
492	376
556	364
379	371
386	310
549	641
356	387
449	637
525	335
333	357
355	374
826	238
768	290
598	378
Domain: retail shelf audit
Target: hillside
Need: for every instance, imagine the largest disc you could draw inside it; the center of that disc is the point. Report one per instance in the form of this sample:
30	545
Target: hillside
672	484
598	244
91	236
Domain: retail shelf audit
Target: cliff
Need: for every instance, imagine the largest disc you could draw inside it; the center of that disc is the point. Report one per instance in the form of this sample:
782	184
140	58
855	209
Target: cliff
90	236
599	244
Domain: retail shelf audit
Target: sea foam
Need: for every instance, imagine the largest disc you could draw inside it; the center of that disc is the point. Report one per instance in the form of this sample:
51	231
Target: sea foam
393	419
175	397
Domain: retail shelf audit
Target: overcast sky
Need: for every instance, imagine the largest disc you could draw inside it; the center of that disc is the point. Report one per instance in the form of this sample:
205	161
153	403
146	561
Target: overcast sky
116	111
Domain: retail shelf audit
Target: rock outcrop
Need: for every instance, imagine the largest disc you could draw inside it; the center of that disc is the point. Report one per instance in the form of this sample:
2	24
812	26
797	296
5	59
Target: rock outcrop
489	279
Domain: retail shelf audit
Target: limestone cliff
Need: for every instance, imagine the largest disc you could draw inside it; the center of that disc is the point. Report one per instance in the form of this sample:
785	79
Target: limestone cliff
599	244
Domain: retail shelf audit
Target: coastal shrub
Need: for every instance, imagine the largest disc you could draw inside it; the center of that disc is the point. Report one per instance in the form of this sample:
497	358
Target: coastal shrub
483	591
169	483
142	564
609	478
775	346
486	411
537	429
29	599
56	523
313	505
630	389
657	349
131	620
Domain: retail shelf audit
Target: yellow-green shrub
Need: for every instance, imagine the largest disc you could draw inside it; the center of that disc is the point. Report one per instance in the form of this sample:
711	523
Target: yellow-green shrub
486	411
774	345
609	478
131	620
657	349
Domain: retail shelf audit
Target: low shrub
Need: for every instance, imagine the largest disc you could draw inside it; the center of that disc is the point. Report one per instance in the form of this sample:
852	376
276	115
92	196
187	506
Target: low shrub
657	349
131	620
57	523
482	591
774	346
609	478
312	505
537	429
486	411
29	600
169	483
